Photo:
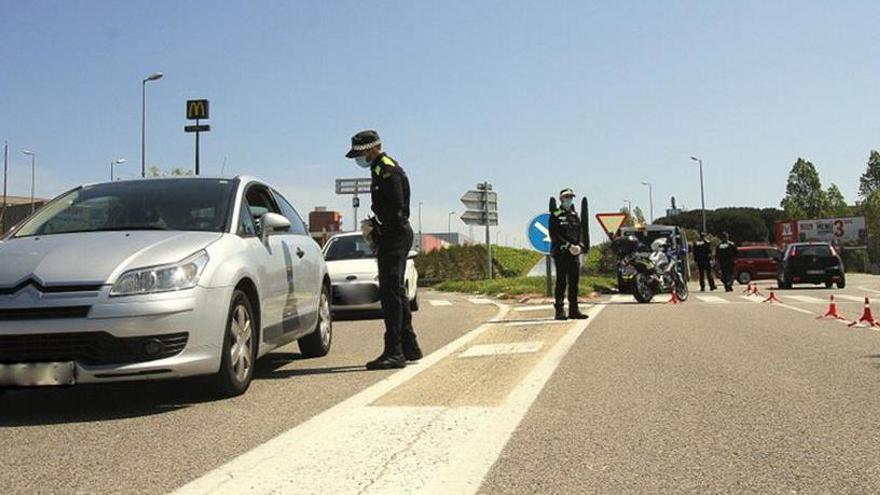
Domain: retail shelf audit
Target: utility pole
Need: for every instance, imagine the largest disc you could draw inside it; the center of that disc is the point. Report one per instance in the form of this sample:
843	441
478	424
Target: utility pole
486	187
702	191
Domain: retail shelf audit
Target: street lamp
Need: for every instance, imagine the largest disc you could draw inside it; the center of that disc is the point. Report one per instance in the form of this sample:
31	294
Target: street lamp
152	77
33	176
449	225
702	191
650	198
119	161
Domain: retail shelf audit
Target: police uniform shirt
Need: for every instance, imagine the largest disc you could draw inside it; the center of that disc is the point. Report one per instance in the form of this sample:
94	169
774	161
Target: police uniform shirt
390	192
565	228
726	252
701	250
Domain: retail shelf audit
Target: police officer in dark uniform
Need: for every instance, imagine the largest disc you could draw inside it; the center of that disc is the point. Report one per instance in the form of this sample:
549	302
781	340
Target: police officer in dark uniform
566	237
703	258
726	254
392	236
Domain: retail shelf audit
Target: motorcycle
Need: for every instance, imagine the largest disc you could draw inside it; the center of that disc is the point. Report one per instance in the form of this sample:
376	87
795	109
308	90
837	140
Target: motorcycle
648	274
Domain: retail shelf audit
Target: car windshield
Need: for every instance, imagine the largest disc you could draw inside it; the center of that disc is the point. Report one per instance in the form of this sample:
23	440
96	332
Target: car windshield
183	205
818	251
351	247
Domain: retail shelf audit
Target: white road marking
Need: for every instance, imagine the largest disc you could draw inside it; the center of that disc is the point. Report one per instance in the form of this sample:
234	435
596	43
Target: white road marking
440	302
713	299
484	350
542	307
479	300
532	323
357	448
806	299
875	291
849	298
751	299
621	298
793	308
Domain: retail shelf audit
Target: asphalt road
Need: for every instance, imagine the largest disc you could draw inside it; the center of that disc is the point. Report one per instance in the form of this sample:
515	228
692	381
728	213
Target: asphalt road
720	394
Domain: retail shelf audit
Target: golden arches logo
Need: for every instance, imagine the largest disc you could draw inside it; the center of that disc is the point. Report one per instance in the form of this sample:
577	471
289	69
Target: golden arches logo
196	109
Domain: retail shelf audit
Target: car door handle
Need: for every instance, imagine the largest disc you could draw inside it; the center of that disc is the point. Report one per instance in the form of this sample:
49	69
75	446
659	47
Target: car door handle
300	253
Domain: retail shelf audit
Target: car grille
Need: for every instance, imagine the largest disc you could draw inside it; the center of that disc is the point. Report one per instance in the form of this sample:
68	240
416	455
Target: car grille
89	348
355	294
44	313
49	289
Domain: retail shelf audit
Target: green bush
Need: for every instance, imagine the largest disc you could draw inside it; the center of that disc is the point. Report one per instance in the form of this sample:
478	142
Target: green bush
521	286
469	263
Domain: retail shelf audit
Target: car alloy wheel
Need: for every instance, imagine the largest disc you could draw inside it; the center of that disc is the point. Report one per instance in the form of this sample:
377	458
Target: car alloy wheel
238	353
317	343
241	352
325	323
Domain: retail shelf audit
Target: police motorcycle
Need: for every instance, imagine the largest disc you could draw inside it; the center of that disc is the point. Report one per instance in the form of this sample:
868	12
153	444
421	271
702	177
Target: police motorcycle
649	273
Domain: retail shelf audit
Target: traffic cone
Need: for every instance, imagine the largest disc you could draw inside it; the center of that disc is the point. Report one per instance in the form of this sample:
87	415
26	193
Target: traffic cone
772	298
675	299
748	290
832	311
755	291
867	316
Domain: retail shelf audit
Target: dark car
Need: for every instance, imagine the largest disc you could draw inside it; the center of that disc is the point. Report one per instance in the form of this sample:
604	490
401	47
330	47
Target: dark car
811	263
757	263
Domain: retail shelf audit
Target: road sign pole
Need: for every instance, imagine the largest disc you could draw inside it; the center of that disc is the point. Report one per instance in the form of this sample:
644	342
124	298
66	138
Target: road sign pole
488	235
197	149
355	201
549	277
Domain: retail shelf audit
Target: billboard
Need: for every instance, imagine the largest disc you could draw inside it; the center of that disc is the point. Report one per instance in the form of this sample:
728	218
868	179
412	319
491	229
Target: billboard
844	231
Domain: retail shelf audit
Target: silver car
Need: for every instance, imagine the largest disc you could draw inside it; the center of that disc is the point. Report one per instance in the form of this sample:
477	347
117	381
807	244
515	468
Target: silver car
159	278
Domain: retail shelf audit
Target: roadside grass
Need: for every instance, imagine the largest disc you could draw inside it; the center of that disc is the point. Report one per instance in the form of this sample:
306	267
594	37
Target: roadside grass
518	286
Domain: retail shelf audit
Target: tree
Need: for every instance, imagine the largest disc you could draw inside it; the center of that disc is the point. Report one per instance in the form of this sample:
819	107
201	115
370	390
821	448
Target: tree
630	221
155	171
835	203
639	216
804	197
870	181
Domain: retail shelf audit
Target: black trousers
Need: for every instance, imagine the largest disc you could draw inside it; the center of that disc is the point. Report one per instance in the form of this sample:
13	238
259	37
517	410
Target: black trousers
568	273
392	255
705	270
727	269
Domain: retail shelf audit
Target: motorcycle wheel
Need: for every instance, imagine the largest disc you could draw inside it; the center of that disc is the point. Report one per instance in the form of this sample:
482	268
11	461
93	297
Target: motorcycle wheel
642	289
681	287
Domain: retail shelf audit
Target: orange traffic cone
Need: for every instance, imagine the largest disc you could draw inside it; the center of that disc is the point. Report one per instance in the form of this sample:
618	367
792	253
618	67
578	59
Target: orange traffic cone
756	292
832	311
748	290
772	299
675	299
867	316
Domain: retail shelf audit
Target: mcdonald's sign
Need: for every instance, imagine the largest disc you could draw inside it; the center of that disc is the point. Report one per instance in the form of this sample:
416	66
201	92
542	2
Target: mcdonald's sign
196	109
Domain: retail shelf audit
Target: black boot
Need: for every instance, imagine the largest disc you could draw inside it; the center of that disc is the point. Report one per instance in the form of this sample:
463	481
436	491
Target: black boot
411	349
386	362
575	314
560	314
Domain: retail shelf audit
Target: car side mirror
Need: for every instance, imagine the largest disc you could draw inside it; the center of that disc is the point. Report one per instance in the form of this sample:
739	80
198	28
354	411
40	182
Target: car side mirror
271	223
412	254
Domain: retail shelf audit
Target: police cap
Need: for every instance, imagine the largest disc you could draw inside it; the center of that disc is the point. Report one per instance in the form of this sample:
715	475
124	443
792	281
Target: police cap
363	141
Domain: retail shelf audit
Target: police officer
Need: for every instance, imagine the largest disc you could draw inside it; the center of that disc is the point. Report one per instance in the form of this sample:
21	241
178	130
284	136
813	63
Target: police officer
393	238
567	244
703	258
726	254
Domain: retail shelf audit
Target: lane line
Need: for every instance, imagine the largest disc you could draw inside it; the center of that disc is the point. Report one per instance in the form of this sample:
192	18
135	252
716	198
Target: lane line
806	299
870	290
480	300
484	350
619	298
537	322
265	468
751	299
849	298
466	474
439	302
713	300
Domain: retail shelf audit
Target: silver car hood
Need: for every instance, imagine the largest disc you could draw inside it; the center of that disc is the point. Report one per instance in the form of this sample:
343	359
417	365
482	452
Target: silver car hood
93	257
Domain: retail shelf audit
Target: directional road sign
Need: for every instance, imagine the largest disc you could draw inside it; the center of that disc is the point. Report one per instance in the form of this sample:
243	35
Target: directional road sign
471	217
539	233
473	200
197	128
353	186
611	222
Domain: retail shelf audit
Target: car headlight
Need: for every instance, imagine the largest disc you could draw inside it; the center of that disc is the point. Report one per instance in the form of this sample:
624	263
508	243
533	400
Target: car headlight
162	278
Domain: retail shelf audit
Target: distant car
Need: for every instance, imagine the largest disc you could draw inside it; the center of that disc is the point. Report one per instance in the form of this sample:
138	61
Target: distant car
757	263
354	274
811	263
159	278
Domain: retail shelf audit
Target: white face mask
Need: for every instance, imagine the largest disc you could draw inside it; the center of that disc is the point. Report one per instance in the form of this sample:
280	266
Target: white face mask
567	202
362	161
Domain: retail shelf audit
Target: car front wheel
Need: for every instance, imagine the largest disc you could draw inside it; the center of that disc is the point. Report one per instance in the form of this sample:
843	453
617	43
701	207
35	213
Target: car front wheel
239	348
317	343
744	278
841	283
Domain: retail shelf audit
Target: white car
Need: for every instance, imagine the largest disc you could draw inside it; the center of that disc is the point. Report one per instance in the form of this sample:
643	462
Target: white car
354	274
159	278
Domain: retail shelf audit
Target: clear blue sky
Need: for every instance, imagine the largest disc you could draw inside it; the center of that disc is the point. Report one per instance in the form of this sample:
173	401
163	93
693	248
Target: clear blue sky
533	96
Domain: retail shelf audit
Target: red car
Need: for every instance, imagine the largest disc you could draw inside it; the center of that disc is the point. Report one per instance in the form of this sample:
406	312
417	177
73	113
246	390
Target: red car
757	263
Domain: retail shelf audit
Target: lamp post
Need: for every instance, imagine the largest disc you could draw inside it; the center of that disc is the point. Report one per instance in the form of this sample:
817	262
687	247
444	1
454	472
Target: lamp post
650	198
420	226
449	224
152	77
33	176
119	161
702	191
629	207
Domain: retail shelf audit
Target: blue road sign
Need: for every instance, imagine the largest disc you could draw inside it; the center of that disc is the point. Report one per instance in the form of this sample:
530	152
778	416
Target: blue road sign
539	233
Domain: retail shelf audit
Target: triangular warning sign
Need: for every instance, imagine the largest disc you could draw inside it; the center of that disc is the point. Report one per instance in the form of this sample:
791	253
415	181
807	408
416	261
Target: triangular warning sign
611	222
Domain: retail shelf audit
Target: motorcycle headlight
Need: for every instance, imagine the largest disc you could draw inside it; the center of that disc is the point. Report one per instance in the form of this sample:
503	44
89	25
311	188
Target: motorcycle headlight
162	278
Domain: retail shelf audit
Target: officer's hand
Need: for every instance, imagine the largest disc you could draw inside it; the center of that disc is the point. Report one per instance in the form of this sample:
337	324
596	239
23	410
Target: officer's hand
575	250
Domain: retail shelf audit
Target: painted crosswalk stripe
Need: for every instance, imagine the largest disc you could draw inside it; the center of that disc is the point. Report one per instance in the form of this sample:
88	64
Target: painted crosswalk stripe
806	299
542	307
484	350
619	298
849	298
751	299
479	300
531	323
440	302
713	299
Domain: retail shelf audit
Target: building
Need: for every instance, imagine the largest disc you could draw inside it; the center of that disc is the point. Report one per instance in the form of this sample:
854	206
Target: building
17	208
324	224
